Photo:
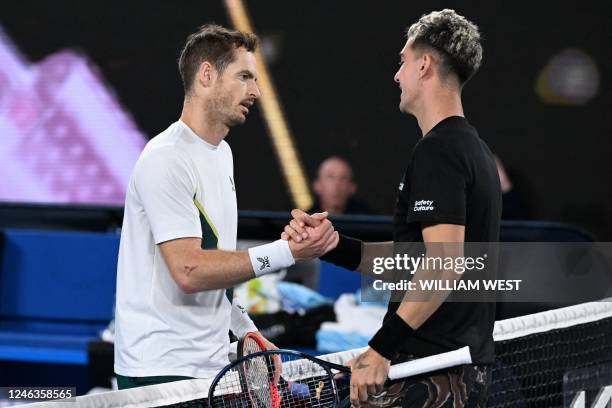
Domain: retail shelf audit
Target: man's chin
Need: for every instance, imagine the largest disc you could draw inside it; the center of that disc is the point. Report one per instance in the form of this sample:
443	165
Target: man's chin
236	121
404	109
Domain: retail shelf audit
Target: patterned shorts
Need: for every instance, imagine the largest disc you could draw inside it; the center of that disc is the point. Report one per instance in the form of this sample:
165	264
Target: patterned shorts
462	386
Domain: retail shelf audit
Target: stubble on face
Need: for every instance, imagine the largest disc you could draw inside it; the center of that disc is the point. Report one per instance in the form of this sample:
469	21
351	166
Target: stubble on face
221	107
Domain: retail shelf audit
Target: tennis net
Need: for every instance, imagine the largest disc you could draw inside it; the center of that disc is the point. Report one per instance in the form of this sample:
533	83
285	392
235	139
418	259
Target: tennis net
534	355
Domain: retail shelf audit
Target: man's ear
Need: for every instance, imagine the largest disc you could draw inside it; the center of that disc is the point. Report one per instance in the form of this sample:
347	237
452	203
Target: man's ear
426	67
206	74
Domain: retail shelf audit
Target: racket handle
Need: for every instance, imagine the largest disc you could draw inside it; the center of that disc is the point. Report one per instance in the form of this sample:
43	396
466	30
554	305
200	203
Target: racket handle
431	363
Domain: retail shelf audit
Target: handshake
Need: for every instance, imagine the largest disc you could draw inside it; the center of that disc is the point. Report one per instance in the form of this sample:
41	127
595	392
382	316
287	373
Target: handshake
310	236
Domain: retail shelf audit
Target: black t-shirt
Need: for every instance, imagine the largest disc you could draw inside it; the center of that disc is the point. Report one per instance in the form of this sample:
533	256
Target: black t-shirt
451	179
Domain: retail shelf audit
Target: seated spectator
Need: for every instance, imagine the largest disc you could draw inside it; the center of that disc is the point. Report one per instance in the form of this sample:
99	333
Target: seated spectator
514	206
335	189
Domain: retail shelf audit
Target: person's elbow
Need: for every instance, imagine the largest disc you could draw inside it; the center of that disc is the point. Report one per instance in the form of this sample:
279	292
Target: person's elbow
183	277
185	267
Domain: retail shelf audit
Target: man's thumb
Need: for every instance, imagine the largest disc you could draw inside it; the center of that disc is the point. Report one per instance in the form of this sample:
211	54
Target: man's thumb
320	216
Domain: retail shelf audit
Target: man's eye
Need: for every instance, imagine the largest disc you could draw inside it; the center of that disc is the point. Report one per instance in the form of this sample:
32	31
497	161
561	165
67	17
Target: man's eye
400	63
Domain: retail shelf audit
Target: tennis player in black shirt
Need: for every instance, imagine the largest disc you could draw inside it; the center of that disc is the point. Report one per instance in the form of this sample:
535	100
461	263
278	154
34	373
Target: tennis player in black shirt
450	193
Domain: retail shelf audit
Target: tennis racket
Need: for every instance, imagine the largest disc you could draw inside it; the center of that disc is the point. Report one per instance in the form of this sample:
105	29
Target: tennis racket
305	381
251	371
249	344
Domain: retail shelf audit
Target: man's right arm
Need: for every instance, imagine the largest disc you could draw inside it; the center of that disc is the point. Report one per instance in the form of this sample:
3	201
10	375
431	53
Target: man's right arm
350	253
165	186
195	269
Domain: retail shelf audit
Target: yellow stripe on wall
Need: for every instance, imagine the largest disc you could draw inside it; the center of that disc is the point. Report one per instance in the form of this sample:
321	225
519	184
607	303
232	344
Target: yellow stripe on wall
284	146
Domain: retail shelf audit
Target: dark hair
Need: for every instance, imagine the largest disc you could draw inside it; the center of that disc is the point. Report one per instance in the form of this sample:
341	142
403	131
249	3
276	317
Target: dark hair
215	44
455	39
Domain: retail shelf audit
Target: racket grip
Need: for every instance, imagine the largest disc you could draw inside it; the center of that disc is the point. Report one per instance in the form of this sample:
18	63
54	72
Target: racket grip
431	363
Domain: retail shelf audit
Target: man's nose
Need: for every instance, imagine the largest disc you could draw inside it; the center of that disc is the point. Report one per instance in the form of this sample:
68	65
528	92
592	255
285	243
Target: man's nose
255	92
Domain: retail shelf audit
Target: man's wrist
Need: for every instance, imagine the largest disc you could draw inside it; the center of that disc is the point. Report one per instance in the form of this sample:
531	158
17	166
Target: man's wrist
391	337
377	354
271	257
347	253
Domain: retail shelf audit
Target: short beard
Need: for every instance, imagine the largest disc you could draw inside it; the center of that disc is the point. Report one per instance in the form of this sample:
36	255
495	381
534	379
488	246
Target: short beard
235	120
218	108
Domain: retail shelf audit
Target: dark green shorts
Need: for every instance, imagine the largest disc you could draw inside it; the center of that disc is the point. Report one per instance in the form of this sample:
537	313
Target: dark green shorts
124	382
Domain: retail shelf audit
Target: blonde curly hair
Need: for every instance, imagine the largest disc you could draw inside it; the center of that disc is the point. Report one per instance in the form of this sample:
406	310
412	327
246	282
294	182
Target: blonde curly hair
455	39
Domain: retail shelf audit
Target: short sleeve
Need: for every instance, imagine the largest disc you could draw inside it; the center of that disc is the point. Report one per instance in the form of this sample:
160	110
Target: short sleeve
166	187
438	183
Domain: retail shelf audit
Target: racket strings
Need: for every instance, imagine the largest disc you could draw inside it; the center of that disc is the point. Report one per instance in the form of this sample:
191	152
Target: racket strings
303	383
259	382
250	346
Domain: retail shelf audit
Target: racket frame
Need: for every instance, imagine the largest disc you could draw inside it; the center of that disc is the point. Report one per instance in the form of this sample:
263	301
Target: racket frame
250	335
325	364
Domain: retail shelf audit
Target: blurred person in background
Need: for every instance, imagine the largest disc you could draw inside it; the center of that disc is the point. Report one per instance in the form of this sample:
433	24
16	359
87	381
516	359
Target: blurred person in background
335	189
514	207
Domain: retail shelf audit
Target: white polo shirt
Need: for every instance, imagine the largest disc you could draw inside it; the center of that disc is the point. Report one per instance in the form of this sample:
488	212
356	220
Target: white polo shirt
181	187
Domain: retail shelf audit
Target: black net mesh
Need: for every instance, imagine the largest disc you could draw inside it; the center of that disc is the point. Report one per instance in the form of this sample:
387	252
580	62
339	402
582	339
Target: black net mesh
529	370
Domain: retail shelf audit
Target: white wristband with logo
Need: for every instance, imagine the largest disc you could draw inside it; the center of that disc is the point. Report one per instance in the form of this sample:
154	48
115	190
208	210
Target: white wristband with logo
271	257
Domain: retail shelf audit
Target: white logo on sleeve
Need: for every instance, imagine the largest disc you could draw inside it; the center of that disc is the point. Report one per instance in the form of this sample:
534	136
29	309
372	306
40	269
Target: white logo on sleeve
423	205
401	186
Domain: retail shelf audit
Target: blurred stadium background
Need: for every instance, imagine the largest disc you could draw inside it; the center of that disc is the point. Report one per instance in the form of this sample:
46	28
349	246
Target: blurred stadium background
333	64
84	85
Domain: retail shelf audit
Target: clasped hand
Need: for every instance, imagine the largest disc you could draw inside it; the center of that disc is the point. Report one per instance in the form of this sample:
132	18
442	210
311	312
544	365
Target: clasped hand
310	236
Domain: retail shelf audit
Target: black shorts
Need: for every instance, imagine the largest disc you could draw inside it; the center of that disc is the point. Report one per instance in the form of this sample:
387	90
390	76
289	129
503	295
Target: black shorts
462	386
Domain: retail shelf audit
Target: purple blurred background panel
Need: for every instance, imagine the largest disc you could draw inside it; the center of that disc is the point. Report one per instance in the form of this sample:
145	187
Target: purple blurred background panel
64	138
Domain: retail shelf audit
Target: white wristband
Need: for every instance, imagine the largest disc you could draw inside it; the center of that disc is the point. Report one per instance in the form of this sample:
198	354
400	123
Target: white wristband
271	257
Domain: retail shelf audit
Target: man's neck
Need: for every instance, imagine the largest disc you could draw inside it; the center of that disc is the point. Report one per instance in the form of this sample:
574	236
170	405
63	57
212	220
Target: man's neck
197	118
438	106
